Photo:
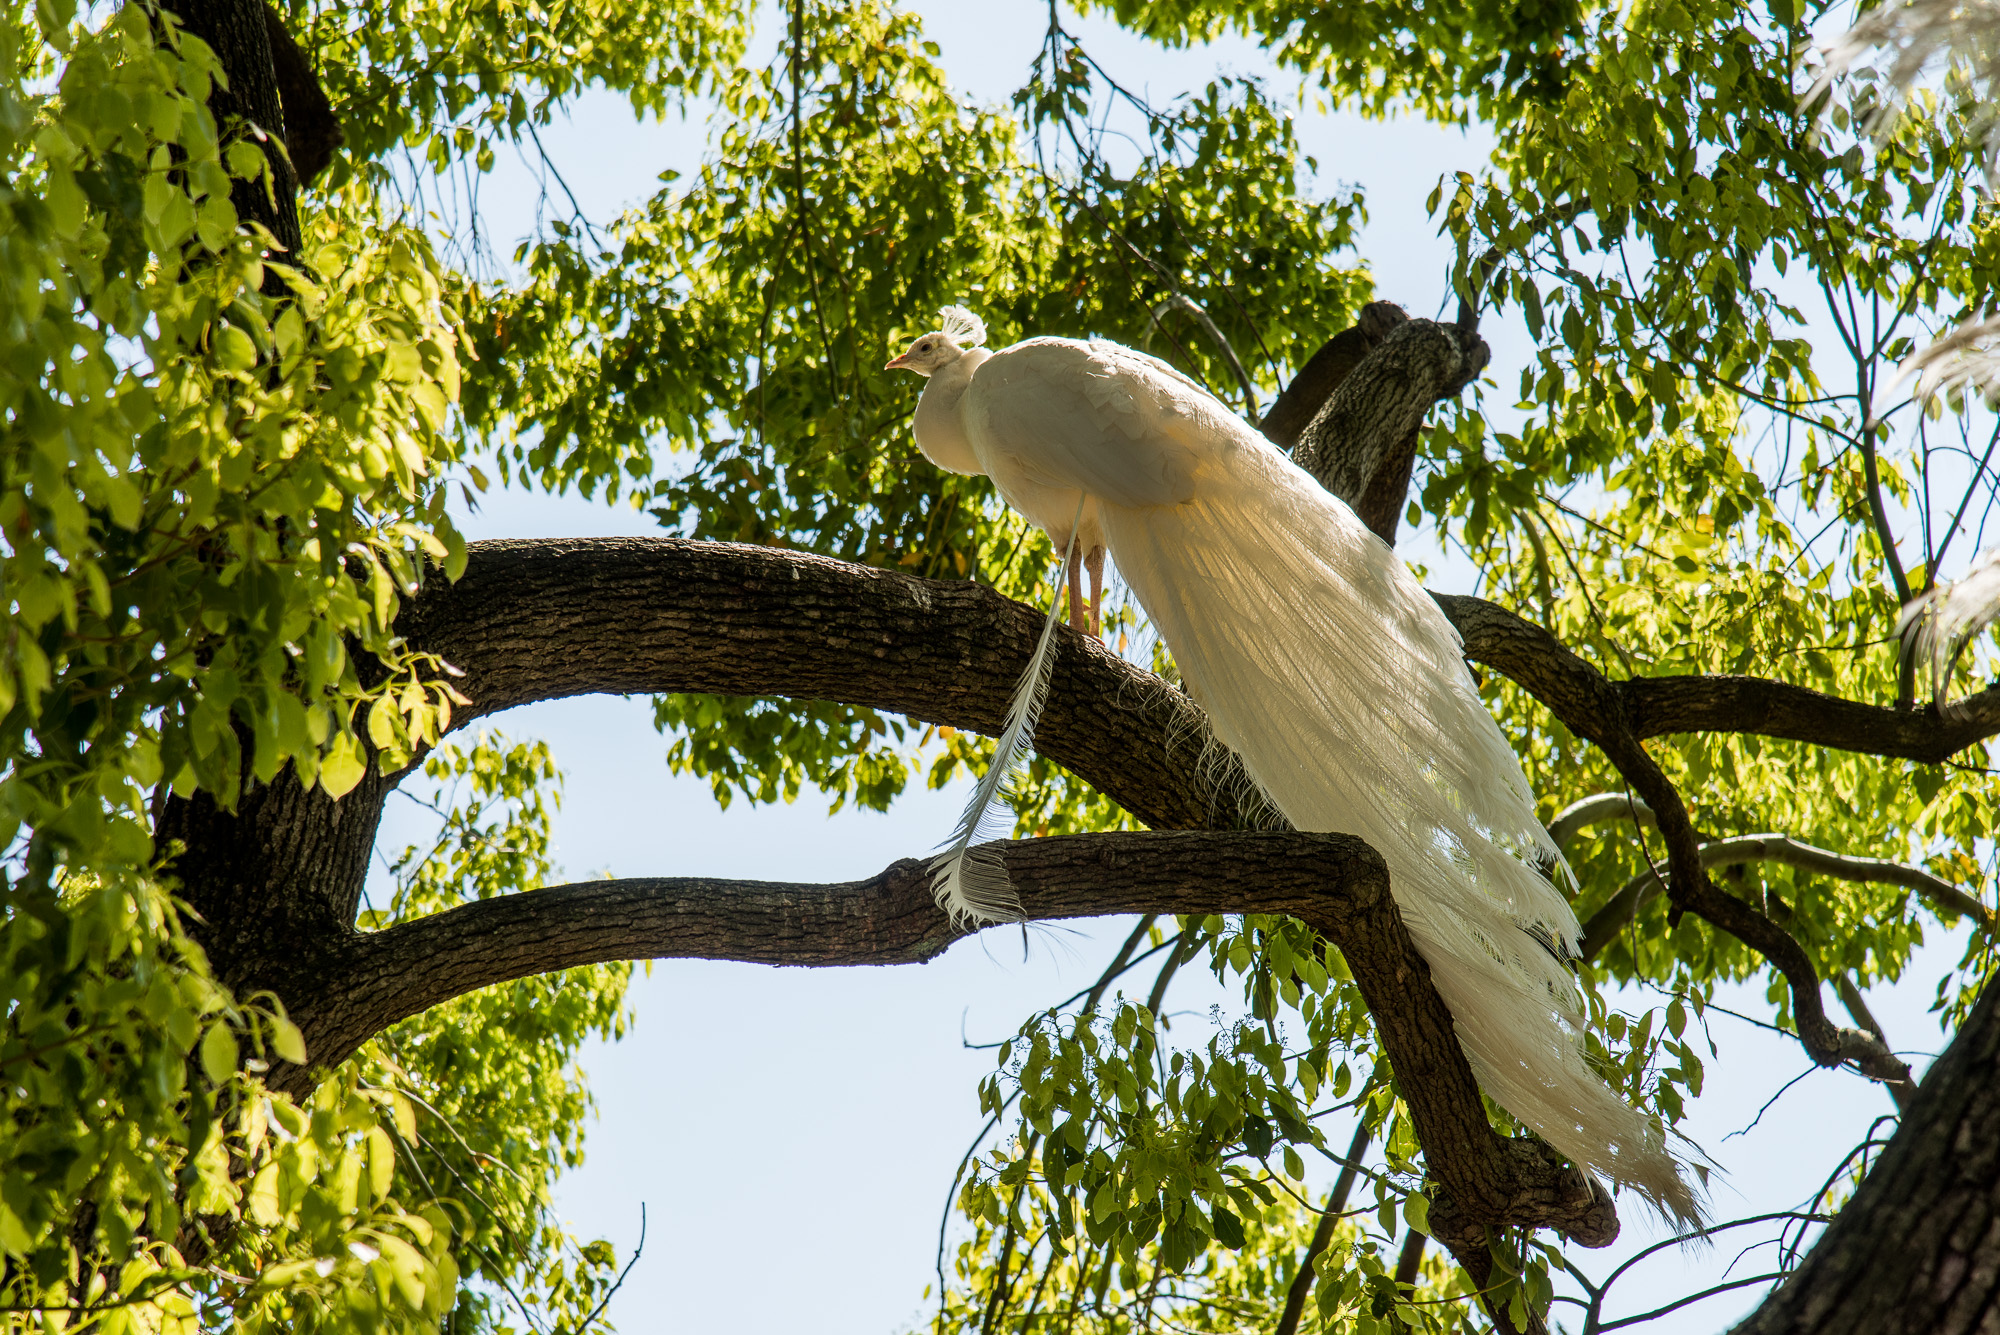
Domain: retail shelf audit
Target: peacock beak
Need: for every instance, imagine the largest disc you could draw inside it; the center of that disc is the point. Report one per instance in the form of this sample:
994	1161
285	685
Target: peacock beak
894	362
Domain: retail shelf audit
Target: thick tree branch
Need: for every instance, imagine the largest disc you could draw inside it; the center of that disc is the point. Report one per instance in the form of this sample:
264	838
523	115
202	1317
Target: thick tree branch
1334	883
239	33
543	620
1655	706
1316	381
312	130
671	615
1361	445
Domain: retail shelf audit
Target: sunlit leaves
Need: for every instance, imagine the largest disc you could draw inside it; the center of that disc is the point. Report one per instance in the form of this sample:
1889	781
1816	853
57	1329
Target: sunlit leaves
494	1074
148	1176
208	493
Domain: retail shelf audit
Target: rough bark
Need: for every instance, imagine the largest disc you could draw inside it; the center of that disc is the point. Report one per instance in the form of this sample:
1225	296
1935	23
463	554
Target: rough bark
247	104
1362	443
666	614
275	882
1917	1250
1322	373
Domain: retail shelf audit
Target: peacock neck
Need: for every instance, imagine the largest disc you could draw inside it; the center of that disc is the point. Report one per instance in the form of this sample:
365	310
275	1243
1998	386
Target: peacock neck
940	430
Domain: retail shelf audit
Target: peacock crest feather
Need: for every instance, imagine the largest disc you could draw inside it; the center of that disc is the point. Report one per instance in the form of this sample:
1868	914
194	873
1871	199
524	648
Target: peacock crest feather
962	327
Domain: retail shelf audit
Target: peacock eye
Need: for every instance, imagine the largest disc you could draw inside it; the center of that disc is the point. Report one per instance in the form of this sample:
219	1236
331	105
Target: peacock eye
923	347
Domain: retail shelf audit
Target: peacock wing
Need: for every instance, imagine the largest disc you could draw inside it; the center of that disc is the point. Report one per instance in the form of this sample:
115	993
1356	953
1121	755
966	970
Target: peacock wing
1118	425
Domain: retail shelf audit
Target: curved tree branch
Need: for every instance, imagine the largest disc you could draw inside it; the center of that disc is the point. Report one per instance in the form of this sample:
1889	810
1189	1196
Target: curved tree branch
1654	706
543	620
1594	709
1784	849
1587	811
1742	850
1334	883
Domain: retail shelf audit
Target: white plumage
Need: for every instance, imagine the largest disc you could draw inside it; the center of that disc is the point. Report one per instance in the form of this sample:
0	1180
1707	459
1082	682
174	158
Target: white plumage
1325	666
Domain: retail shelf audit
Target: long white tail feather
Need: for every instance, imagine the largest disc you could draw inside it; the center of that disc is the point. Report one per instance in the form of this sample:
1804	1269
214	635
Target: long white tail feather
1251	583
969	880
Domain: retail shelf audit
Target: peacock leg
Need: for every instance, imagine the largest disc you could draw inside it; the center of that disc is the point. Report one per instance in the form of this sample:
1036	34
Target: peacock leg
1073	568
1094	562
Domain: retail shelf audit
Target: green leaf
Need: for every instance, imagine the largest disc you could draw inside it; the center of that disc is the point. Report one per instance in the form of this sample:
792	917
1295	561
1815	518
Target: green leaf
341	767
286	1040
218	1053
1228	1228
234	349
1417	1212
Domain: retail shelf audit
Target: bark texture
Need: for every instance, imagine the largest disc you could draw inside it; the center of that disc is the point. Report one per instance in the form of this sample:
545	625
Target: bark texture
1334	883
1322	373
312	130
276	881
1362	443
249	106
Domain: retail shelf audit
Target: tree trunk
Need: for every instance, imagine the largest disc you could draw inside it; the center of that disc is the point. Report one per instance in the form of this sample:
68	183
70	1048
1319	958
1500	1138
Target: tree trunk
239	32
1917	1251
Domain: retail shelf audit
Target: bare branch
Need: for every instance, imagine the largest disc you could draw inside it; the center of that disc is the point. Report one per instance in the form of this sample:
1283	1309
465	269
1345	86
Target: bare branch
1857	1007
1787	851
1588	703
1336	1206
1590	810
1180	302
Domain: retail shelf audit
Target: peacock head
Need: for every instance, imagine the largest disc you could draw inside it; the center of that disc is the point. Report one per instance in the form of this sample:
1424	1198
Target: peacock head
941	347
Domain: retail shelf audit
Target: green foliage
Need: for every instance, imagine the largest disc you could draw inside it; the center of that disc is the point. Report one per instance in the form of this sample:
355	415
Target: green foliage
494	1074
1150	1181
192	472
152	1182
